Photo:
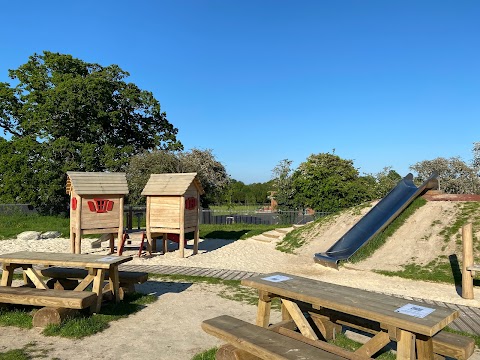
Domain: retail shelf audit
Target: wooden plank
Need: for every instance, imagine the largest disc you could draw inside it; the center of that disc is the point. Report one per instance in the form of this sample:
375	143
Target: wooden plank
444	343
35	277
374	345
51	298
322	345
262	342
357	302
299	319
63	259
453	345
127	277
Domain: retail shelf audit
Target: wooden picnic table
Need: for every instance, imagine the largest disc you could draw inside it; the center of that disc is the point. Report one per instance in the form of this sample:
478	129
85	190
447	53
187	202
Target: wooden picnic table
322	301
97	265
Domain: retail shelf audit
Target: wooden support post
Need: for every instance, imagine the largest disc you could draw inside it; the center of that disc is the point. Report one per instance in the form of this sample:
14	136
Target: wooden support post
7	274
165	243
120	228
405	345
467	276
424	348
147	225
263	311
195	239
111	239
78	227
181	243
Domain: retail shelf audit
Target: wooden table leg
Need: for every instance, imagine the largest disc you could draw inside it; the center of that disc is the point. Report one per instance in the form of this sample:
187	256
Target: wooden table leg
114	282
405	345
7	274
263	311
424	348
98	287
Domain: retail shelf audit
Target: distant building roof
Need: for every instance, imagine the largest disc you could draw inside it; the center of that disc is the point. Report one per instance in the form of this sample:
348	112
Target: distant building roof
86	183
171	184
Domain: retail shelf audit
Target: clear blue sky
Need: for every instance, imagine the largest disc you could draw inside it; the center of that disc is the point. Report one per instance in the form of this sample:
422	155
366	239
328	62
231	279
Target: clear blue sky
384	83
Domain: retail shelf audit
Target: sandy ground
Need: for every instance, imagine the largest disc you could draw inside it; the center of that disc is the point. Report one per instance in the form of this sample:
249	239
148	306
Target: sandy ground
170	327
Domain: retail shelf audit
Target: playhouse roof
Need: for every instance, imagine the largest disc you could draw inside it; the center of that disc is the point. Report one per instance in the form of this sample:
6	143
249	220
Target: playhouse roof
97	183
171	184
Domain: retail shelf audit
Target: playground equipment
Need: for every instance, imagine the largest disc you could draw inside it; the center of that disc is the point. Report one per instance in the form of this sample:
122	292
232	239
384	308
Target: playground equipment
172	208
96	205
375	220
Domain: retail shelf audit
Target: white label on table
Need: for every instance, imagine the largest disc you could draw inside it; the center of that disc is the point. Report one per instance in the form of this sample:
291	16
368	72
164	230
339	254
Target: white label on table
108	258
415	310
276	278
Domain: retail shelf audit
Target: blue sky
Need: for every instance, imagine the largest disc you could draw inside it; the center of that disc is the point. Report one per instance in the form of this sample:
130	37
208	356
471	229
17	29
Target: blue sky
384	83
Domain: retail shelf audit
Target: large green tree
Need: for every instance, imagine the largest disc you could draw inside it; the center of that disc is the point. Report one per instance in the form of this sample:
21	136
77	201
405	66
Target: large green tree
211	172
326	182
61	114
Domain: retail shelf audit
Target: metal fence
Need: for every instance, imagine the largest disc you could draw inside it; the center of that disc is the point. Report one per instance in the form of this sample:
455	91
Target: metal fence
265	218
12	209
135	216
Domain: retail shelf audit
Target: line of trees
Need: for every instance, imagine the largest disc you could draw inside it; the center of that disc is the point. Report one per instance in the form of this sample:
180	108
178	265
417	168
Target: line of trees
64	114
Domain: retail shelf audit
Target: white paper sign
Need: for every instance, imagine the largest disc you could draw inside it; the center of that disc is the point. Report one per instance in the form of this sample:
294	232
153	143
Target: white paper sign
415	310
276	278
108	258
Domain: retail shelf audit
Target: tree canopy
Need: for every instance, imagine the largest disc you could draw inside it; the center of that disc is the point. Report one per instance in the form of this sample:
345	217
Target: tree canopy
327	182
211	173
64	114
455	176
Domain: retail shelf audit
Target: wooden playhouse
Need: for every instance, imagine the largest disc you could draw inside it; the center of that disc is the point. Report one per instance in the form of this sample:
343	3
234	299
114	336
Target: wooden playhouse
96	205
172	208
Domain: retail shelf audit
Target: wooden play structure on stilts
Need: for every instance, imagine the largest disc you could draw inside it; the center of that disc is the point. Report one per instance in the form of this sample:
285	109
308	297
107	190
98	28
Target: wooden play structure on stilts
172	209
96	205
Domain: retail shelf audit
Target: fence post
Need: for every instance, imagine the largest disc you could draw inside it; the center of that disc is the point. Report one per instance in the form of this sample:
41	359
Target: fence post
130	218
467	276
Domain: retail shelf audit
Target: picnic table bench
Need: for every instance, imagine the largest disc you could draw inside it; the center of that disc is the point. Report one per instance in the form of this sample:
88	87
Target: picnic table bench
261	342
317	309
96	266
127	279
47	297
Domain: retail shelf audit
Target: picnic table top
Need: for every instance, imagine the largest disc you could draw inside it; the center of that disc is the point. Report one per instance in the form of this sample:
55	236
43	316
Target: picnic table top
365	304
63	259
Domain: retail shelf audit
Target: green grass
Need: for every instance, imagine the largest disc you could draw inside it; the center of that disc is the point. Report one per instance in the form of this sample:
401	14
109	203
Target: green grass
27	352
17	354
206	355
296	238
446	269
82	326
377	241
12	225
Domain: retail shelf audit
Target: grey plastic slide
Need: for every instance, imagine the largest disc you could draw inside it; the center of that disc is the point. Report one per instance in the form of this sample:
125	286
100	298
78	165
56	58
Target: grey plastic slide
375	220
